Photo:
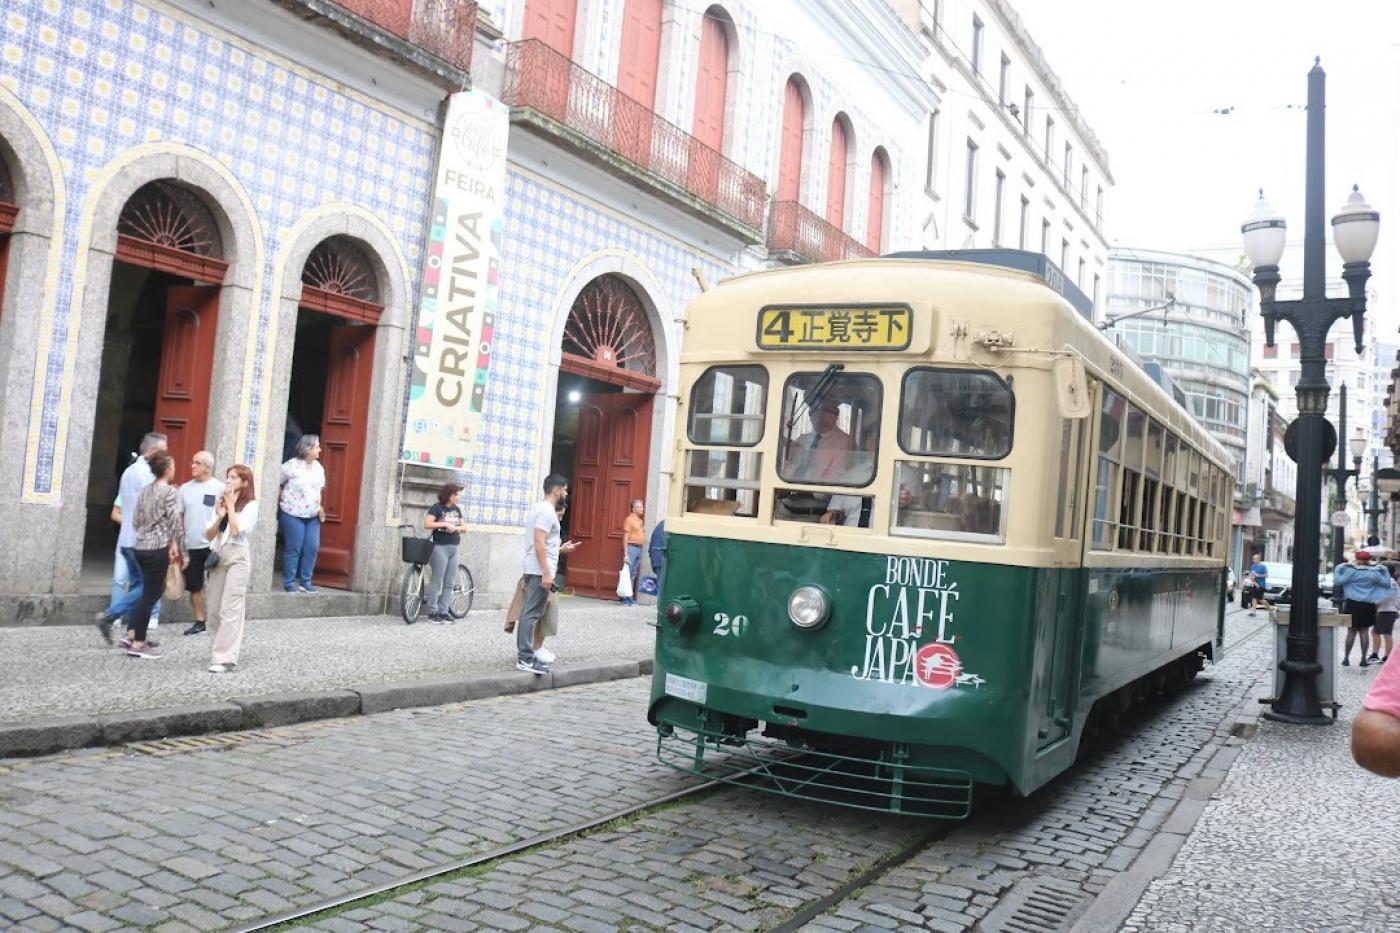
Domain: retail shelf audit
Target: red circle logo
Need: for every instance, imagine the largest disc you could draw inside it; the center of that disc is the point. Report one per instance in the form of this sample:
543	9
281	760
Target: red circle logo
936	665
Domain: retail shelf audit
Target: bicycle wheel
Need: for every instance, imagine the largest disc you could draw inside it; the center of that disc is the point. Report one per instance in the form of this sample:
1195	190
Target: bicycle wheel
411	593
463	593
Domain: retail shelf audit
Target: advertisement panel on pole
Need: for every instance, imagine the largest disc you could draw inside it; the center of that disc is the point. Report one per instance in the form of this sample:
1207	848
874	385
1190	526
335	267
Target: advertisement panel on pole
460	293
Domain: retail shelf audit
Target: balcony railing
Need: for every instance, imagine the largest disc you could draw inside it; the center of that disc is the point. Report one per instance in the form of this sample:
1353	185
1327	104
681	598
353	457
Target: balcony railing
794	229
444	28
541	79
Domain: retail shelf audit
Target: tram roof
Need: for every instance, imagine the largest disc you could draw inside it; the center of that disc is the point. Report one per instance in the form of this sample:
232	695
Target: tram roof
1005	277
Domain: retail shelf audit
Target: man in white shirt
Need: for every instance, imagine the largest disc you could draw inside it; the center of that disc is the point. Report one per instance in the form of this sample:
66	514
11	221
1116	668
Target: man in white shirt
198	498
541	559
134	479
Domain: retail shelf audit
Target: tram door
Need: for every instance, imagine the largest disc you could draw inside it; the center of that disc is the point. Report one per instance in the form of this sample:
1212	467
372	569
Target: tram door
1059	647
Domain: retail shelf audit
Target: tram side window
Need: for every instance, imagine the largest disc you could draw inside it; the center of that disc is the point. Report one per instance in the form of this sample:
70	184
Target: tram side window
727	406
1167	494
950	500
1067	501
1105	474
722	482
955	413
1132	479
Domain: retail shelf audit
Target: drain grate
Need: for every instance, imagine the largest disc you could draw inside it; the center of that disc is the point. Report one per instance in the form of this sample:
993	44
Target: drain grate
200	743
1037	905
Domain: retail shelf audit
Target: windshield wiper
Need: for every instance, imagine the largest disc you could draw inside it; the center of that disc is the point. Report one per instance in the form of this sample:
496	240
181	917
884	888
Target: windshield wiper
814	397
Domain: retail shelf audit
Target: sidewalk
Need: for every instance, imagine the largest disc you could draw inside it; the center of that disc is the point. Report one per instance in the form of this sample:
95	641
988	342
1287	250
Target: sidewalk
68	673
1295	837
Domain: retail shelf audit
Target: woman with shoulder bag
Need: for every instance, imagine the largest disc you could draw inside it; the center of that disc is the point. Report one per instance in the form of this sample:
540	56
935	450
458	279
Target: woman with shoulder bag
444	520
160	541
235	515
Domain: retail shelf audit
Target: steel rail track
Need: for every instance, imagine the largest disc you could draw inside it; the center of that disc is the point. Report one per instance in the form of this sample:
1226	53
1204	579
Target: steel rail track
808	913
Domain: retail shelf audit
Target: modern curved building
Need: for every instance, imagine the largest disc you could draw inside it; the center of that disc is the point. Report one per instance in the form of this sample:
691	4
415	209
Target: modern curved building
1200	338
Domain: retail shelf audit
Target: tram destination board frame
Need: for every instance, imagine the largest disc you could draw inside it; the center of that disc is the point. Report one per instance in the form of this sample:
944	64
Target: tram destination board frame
856	327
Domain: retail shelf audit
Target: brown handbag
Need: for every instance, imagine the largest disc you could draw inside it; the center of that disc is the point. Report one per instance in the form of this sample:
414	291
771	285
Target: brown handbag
517	605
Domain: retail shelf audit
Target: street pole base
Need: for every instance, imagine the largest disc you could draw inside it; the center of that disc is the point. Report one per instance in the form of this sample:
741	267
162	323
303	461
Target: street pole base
1296	720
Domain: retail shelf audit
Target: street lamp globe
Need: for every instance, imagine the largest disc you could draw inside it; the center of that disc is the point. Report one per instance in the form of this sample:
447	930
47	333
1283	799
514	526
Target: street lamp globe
1264	234
1358	446
1355	229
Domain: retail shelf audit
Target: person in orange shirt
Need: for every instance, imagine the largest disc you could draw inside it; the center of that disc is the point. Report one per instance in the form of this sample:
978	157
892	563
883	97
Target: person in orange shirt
633	536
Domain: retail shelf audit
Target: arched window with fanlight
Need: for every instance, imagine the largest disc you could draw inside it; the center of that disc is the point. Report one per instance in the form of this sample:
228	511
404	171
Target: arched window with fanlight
712	79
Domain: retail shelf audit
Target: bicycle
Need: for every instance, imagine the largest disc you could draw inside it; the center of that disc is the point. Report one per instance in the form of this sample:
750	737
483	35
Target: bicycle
417	553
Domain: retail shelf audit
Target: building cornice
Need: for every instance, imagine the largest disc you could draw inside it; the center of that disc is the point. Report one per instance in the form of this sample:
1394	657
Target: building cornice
1037	62
873	29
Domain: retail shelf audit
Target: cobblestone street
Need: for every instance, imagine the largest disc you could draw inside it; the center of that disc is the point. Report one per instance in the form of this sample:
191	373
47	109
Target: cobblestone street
228	832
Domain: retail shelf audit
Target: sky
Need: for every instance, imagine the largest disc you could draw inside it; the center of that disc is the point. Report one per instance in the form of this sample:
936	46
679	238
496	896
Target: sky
1149	78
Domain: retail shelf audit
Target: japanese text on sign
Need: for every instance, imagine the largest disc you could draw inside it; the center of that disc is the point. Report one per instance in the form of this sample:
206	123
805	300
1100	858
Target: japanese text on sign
872	327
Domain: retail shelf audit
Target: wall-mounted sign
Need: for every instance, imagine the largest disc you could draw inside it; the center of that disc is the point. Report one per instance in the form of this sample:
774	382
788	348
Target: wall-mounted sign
460	294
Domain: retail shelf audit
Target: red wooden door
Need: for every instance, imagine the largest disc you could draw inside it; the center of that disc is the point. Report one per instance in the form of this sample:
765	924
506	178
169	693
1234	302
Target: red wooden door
552	22
711	86
875	226
610	470
186	362
344	421
790	159
639	58
836	177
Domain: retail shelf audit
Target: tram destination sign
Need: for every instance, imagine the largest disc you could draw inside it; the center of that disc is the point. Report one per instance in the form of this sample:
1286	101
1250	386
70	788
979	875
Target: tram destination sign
882	327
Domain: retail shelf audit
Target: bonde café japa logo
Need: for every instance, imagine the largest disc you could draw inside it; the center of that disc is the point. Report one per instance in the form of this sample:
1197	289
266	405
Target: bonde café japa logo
908	627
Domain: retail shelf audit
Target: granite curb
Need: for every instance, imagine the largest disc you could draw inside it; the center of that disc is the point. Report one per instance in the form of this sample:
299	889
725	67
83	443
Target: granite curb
46	736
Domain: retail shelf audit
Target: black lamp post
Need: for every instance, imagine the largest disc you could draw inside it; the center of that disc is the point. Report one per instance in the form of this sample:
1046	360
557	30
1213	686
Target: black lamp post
1354	230
1340	474
1374	509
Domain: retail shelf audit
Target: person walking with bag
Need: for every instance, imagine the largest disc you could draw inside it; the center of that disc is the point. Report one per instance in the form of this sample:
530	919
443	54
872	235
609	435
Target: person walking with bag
633	536
159	525
235	516
135	478
444	520
300	514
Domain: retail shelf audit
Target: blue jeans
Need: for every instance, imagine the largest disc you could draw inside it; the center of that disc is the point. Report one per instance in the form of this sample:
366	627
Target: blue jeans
126	587
301	539
634	567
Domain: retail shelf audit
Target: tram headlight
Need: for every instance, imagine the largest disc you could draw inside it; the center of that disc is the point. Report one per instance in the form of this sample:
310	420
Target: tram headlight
808	607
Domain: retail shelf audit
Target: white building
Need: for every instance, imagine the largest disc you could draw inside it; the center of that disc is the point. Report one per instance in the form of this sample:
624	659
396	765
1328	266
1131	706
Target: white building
656	145
1010	162
1265	500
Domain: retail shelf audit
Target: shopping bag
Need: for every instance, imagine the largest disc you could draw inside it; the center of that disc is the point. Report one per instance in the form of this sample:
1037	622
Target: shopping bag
624	583
648	586
174	583
517	605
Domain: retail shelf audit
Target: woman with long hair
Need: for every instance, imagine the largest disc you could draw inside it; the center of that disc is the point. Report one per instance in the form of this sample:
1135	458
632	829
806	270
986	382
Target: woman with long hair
160	541
235	514
444	520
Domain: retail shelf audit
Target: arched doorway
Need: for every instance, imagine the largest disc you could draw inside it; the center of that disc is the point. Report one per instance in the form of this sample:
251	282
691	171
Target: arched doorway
602	425
9	211
332	375
158	345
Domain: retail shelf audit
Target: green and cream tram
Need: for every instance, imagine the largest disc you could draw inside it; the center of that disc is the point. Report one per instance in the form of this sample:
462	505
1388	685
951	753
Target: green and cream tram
925	517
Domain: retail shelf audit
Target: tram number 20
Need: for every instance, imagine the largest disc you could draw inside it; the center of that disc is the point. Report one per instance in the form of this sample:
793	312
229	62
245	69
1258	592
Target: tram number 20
727	625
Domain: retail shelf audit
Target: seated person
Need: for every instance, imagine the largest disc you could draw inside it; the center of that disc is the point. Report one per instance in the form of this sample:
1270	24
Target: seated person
843	510
824	454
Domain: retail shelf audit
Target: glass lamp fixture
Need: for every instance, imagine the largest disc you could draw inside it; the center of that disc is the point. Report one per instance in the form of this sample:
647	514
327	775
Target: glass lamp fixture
1265	232
1355	229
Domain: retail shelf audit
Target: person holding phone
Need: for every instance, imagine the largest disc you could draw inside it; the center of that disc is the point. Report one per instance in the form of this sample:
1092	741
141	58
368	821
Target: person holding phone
444	520
549	619
231	532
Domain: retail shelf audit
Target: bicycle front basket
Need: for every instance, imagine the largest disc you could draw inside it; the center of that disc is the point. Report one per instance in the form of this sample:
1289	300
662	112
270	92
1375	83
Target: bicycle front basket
417	550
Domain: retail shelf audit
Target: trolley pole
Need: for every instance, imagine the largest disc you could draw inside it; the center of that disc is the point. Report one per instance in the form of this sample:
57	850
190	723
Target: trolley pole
1355	230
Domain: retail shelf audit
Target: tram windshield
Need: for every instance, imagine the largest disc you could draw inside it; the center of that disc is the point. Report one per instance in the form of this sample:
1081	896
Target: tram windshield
831	429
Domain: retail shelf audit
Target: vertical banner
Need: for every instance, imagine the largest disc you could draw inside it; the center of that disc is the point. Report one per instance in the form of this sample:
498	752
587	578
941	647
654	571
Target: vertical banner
461	291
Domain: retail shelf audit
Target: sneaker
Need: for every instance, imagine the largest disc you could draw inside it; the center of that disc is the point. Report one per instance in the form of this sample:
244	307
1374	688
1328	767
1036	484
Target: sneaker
306	588
147	650
448	619
1373	657
289	589
434	618
104	627
545	655
195	629
220	668
1364	663
1346	662
536	667
125	641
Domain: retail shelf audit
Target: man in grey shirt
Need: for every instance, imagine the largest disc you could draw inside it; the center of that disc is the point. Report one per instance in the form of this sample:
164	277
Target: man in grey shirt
541	559
134	479
197	500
